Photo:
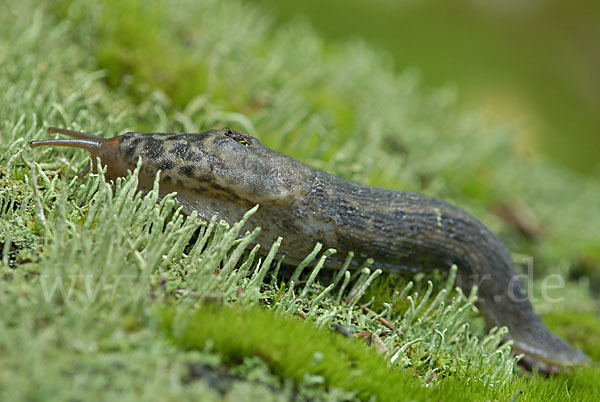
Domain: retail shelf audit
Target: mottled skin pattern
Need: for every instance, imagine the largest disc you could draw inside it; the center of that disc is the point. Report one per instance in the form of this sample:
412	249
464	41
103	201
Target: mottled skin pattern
225	173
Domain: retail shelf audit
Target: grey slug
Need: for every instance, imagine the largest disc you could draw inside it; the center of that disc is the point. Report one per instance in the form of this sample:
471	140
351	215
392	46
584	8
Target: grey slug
226	173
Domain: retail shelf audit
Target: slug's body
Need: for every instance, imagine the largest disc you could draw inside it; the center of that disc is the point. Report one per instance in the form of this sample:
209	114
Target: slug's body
225	173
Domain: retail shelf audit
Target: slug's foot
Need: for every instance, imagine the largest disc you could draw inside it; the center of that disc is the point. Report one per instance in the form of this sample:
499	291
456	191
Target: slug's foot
85	171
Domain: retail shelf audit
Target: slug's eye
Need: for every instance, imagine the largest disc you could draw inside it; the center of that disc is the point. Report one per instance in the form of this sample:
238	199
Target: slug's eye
243	139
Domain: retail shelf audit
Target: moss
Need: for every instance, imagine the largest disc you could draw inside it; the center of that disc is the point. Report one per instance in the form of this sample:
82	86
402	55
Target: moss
296	350
293	349
582	330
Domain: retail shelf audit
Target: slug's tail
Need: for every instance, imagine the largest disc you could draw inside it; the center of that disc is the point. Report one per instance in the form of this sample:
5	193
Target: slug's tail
85	141
505	303
542	348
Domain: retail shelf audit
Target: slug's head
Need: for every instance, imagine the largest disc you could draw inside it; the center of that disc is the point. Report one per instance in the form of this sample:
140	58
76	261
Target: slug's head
107	149
220	164
215	164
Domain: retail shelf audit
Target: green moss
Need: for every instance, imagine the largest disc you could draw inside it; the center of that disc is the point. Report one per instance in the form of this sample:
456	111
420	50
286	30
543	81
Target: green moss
582	330
296	350
292	349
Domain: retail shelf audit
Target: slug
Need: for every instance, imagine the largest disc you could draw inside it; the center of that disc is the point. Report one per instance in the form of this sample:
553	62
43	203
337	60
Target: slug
225	173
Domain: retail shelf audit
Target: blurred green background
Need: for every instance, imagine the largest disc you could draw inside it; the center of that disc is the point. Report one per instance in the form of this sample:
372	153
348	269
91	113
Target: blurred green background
533	64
